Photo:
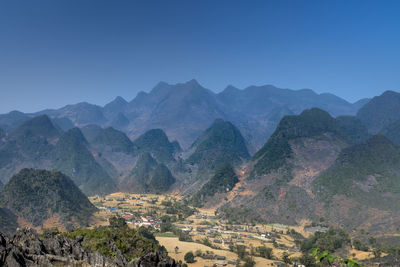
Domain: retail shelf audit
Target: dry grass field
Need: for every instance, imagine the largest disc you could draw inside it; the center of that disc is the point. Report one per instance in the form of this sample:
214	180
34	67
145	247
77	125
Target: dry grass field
171	242
249	235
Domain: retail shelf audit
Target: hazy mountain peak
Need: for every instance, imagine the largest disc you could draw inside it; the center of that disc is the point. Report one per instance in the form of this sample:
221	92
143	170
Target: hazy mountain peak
40	125
309	91
156	142
310	123
117	102
221	143
229	90
75	135
15	112
380	111
115	139
193	82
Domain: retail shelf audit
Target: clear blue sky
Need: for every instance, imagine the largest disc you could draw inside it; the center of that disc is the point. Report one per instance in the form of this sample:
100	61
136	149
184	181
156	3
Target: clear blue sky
54	53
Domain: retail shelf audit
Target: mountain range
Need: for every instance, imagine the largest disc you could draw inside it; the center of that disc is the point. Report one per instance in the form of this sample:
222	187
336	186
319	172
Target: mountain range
185	110
261	153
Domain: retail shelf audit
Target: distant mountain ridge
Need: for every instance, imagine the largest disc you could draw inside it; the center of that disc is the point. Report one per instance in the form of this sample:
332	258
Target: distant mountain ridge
185	110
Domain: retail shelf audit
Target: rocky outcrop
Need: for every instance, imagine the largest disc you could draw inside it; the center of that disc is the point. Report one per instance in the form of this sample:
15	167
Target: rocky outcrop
27	249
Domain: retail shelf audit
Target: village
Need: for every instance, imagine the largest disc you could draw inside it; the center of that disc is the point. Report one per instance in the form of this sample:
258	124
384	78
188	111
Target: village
213	242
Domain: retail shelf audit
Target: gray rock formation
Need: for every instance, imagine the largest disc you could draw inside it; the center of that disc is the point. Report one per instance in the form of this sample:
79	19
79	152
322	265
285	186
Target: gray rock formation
26	249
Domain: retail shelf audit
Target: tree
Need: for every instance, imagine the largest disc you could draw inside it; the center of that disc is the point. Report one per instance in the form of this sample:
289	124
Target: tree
377	252
189	257
285	258
307	260
249	262
241	251
265	252
117	222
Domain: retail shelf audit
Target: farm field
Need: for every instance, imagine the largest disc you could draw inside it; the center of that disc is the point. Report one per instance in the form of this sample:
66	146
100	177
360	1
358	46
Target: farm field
201	232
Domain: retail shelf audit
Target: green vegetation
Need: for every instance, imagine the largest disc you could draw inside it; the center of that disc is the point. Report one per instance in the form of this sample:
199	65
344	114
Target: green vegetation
178	208
116	140
376	157
2	134
91	131
149	176
332	240
392	132
380	111
157	144
72	157
37	126
327	259
265	252
8	221
37	195
189	257
223	181
276	151
220	144
29	141
353	128
240	214
131	242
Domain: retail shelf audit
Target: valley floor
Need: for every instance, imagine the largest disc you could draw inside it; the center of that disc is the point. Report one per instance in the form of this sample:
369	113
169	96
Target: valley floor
148	209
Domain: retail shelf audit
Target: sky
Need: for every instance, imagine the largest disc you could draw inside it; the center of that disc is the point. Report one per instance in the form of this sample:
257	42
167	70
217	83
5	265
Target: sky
54	53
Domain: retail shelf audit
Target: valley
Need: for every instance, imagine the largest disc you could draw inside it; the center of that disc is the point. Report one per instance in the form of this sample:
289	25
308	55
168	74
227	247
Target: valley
211	239
318	181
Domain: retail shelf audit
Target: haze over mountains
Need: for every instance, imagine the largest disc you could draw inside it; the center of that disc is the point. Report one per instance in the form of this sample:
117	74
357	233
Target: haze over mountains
185	110
269	154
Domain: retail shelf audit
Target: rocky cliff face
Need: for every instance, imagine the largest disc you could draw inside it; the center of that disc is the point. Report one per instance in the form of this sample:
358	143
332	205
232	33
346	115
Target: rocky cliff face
26	248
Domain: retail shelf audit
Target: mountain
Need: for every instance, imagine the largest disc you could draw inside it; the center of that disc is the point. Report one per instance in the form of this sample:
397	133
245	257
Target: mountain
380	111
257	110
91	131
8	221
63	123
117	141
360	103
72	157
278	182
120	121
80	114
221	143
84	247
32	138
40	195
148	176
392	132
362	188
156	143
12	119
354	129
27	146
183	110
37	126
116	106
310	123
261	99
223	181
